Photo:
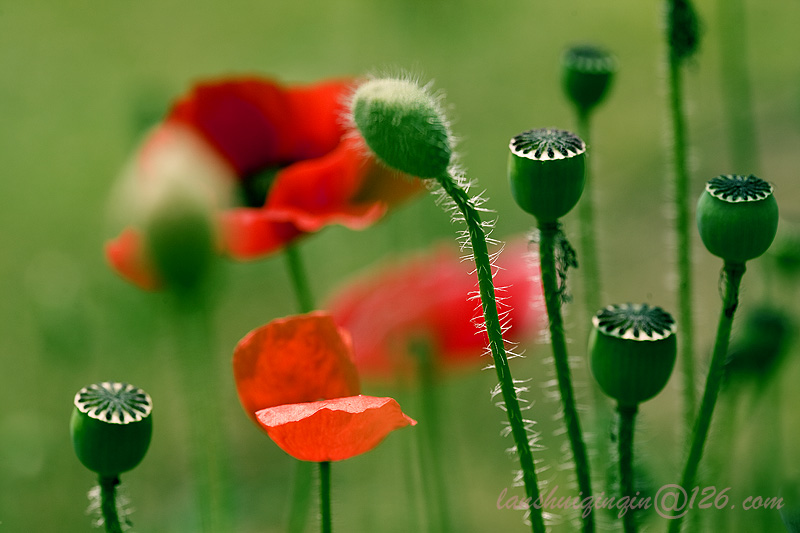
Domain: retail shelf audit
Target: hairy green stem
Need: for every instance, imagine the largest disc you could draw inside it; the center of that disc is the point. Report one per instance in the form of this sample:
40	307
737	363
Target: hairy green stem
193	324
108	503
483	269
627	419
553	296
325	496
733	273
300	501
682	214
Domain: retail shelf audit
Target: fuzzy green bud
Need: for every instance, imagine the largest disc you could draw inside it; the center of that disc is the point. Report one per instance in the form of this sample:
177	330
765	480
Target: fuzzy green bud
632	350
111	427
587	73
547	171
404	126
737	217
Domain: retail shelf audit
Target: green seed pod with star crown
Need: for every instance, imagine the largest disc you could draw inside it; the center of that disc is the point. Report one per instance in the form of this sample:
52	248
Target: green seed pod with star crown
111	427
547	172
632	349
404	126
586	75
737	217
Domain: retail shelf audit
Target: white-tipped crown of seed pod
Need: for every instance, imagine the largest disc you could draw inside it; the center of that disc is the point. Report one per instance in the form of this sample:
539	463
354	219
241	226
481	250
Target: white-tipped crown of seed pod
404	126
111	427
547	172
632	349
586	75
737	217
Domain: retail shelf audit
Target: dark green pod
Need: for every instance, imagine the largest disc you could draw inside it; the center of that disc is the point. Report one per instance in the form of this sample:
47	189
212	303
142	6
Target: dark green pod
737	217
111	427
586	75
404	126
632	349
547	172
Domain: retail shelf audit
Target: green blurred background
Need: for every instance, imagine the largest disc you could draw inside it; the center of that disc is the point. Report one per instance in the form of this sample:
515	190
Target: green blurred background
80	81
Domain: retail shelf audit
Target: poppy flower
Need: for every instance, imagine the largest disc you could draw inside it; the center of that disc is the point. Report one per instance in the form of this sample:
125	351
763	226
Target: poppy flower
296	378
429	299
282	161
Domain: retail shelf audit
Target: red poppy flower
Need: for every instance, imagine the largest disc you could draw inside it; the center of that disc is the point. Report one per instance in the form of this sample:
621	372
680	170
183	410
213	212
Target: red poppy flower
428	299
296	378
287	152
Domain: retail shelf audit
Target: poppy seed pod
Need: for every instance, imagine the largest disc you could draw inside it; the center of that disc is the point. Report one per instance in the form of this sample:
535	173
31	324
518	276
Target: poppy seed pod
586	75
737	217
111	427
547	171
632	349
404	126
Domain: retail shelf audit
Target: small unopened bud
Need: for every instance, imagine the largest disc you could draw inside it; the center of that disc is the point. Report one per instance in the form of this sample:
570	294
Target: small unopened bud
404	126
111	427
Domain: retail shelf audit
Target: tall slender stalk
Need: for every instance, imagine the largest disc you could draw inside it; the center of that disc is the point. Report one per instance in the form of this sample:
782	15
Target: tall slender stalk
496	344
592	288
300	498
627	419
682	222
326	525
733	276
552	296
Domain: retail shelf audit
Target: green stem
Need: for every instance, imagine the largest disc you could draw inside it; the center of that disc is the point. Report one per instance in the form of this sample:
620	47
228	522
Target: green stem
558	342
627	418
588	236
300	501
483	270
736	87
193	323
433	471
300	284
108	503
325	496
680	194
733	277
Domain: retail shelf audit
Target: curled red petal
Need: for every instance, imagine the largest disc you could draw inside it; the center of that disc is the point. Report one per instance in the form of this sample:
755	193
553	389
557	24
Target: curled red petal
301	358
333	430
127	256
249	233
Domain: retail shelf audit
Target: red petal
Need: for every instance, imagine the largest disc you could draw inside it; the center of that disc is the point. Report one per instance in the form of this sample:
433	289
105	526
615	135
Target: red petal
296	359
428	299
126	254
333	430
249	233
256	123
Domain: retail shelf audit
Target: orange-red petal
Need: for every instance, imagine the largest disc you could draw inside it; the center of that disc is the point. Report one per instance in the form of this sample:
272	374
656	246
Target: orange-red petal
127	256
301	358
332	430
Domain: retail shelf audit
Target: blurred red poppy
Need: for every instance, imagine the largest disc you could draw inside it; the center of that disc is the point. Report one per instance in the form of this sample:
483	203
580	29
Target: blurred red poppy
296	378
428	300
284	151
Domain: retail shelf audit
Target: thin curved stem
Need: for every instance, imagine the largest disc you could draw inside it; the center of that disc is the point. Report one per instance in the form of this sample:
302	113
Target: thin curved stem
496	345
300	501
627	419
552	297
325	496
681	211
108	503
733	273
